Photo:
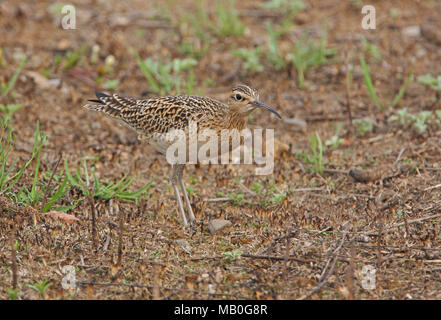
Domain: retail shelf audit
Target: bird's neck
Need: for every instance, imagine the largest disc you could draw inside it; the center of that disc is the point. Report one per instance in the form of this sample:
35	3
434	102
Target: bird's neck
235	120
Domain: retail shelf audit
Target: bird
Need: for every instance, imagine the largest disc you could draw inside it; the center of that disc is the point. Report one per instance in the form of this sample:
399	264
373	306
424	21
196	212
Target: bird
154	119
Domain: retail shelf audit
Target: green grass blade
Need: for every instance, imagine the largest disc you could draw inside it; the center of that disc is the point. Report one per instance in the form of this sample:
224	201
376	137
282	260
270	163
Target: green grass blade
403	89
37	147
134	196
62	190
14	78
153	84
368	81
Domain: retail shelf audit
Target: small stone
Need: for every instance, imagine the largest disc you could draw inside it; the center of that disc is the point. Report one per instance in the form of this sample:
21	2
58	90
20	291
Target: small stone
54	82
421	53
211	288
412	31
296	124
217	225
307	244
184	245
120	20
110	60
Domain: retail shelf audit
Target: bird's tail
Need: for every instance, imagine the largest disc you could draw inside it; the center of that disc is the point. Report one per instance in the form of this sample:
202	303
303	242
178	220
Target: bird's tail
110	105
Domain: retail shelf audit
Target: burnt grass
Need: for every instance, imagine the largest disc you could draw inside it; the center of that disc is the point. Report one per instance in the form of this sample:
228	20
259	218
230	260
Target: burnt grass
311	244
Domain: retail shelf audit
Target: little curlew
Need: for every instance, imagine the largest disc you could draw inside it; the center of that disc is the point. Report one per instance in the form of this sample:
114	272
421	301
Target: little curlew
154	118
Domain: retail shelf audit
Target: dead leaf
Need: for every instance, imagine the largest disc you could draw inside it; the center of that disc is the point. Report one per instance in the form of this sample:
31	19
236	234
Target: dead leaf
344	291
65	217
114	268
41	81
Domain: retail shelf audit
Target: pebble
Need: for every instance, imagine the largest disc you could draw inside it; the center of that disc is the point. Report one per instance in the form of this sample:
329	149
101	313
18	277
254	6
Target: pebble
184	245
296	123
412	31
217	225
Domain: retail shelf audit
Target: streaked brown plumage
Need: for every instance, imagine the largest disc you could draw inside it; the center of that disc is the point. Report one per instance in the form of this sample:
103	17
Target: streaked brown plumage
154	118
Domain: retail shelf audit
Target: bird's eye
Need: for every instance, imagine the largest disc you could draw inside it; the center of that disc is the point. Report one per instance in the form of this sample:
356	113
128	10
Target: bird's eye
238	97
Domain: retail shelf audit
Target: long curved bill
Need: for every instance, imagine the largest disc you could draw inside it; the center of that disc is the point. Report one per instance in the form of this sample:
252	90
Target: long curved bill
261	104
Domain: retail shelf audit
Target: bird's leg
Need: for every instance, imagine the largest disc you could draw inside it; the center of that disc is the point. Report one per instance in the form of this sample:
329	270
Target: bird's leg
180	170
174	179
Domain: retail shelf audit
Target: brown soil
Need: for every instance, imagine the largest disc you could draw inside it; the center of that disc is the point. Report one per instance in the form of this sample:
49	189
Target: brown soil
311	245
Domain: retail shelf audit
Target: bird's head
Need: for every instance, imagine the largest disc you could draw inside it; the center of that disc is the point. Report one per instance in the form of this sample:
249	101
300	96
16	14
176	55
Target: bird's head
244	100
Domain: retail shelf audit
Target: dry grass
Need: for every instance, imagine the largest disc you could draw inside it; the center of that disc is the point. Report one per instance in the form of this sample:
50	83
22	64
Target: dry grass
310	245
